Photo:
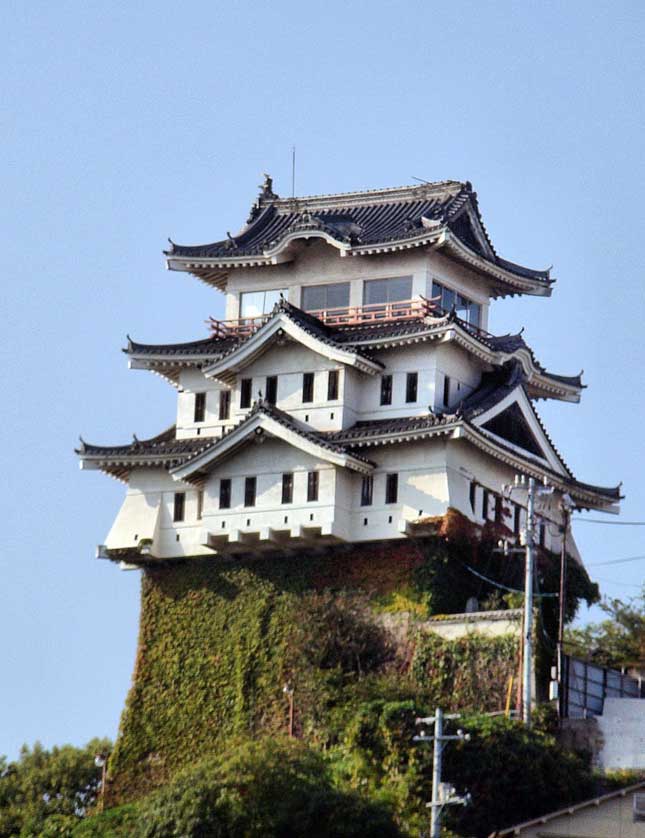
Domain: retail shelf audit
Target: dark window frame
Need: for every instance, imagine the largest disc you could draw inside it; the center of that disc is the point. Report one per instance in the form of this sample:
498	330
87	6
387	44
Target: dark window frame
313	486
333	379
386	389
308	387
392	487
199	411
179	507
250	491
446	391
411	387
473	496
367	490
246	392
271	389
287	487
224	405
225	492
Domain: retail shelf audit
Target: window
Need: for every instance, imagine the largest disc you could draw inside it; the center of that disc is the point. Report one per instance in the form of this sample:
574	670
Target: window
250	485
287	487
387	290
257	303
272	389
485	504
200	407
224	404
499	509
332	385
473	496
367	490
179	507
468	310
200	504
386	389
411	382
312	486
225	493
245	392
308	387
446	391
517	512
318	297
391	488
542	532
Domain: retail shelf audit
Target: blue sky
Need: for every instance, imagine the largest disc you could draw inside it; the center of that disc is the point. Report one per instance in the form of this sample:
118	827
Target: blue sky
124	123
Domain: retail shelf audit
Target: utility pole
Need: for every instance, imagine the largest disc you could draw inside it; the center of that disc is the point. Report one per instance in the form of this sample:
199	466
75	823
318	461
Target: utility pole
533	490
567	506
442	793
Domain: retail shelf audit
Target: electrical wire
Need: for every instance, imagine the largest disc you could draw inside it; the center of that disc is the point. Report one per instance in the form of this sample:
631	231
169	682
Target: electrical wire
619	561
498	584
610	523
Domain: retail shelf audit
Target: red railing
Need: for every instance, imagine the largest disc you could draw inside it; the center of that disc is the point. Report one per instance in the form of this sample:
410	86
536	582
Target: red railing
372	313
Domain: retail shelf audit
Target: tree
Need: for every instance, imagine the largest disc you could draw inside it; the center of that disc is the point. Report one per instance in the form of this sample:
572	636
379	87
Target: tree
269	787
617	641
61	783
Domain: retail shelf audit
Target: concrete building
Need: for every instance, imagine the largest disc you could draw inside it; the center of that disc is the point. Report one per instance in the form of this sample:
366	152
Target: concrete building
353	390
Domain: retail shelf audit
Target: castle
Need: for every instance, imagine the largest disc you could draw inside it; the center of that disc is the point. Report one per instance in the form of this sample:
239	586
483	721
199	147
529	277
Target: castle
352	392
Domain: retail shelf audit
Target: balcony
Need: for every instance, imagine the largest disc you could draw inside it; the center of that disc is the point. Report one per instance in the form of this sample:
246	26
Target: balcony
416	309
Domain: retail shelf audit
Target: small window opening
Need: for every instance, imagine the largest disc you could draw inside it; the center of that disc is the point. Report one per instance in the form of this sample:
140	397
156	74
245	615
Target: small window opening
250	487
386	389
200	407
179	506
225	493
307	387
411	386
391	488
246	386
332	385
312	486
272	389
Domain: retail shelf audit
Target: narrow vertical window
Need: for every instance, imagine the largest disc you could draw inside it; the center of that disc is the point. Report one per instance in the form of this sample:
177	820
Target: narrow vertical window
391	488
200	504
485	504
250	486
411	382
473	496
224	404
542	532
312	486
446	391
245	392
179	506
200	407
332	386
517	512
287	487
499	509
225	493
272	389
386	389
308	387
367	490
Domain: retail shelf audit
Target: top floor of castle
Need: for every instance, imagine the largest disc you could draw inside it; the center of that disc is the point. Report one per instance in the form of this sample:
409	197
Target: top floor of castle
358	257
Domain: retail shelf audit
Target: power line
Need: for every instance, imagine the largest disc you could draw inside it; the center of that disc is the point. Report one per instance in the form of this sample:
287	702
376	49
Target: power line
621	584
499	584
619	561
610	523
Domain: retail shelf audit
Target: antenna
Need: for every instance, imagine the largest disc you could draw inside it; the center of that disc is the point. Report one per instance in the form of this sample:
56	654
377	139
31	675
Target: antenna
421	180
293	171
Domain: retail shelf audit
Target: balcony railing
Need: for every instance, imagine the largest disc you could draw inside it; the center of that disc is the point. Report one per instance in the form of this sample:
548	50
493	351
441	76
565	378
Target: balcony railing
365	315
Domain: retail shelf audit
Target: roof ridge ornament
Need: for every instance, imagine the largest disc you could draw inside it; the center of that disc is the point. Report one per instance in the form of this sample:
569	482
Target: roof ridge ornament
266	196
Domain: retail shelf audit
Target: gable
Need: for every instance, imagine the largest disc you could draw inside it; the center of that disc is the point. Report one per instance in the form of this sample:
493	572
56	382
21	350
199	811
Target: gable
514	422
511	425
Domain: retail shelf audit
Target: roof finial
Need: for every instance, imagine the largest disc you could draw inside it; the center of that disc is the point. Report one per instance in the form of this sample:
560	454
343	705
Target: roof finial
266	189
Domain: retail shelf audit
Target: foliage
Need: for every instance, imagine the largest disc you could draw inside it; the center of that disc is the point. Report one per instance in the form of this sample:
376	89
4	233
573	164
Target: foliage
617	641
512	773
454	671
45	792
267	788
120	822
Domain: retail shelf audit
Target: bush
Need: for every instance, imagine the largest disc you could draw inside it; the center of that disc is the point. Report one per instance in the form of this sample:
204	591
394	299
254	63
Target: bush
270	787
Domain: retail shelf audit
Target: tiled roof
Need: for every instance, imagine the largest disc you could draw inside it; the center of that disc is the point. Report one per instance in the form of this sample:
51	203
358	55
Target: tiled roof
209	347
164	446
361	219
365	430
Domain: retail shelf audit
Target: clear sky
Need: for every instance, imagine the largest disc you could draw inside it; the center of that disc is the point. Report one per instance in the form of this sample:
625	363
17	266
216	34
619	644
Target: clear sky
125	123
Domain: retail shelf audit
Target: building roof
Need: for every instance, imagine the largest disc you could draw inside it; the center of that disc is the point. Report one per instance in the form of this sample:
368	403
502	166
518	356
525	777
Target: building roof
570	810
186	455
362	340
445	214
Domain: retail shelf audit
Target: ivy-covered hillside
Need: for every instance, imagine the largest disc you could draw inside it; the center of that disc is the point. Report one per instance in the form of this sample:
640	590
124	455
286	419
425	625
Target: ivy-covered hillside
219	640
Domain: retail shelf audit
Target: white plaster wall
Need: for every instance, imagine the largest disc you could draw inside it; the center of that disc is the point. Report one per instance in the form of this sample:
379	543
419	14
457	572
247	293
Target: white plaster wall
622	726
267	462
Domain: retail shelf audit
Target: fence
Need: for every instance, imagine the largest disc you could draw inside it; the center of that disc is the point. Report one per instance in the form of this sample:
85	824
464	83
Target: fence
585	686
